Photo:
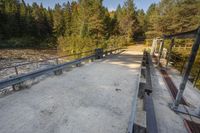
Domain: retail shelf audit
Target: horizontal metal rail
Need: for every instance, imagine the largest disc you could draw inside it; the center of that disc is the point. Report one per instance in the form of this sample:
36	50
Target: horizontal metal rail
60	57
148	100
21	78
28	63
149	64
134	105
24	77
151	117
188	34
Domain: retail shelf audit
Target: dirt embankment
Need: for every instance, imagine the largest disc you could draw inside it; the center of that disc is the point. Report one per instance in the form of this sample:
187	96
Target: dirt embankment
12	57
15	56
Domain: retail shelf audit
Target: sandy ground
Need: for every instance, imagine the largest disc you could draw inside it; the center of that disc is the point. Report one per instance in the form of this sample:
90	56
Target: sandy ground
94	98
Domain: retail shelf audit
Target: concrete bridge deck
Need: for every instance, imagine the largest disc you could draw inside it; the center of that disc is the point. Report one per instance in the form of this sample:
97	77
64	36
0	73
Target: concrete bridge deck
94	98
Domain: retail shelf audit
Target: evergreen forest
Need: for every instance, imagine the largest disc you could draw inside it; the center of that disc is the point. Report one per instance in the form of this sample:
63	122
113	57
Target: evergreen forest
86	24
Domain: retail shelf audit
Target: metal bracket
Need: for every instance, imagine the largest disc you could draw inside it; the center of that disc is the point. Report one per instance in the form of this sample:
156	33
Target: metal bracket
184	110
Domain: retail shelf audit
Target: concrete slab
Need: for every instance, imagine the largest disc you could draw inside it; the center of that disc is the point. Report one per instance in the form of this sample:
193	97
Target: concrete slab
95	98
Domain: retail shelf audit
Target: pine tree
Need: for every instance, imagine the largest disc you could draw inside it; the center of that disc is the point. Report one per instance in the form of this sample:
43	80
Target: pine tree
3	19
68	18
120	17
130	19
12	18
75	22
191	12
172	16
96	21
151	19
140	33
39	17
59	23
49	16
110	22
23	18
84	14
31	23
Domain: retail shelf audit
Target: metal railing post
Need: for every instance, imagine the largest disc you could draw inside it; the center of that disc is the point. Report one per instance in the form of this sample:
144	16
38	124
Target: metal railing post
187	71
57	61
16	71
99	53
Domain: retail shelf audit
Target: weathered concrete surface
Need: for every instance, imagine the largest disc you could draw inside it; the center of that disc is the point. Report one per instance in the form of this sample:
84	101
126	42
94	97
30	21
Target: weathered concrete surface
95	98
191	94
168	121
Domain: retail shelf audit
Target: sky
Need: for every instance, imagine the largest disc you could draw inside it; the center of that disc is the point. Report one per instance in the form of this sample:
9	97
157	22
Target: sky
110	4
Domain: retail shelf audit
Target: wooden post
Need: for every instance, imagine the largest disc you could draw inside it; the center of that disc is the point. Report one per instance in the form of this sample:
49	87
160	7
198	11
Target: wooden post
196	79
160	51
170	50
153	46
191	60
37	64
57	61
156	45
183	66
16	71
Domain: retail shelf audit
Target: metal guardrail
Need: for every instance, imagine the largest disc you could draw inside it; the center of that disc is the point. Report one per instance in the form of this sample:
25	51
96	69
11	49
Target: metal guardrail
24	77
148	100
56	58
144	92
134	105
149	64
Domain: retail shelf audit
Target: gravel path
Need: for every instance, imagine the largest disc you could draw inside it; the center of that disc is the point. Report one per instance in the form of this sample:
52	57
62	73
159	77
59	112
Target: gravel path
94	98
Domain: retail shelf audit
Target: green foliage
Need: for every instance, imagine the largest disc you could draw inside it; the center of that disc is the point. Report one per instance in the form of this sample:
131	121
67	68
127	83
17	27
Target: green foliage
90	19
127	19
75	44
82	20
172	16
58	20
28	42
92	26
20	21
68	18
142	27
116	42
